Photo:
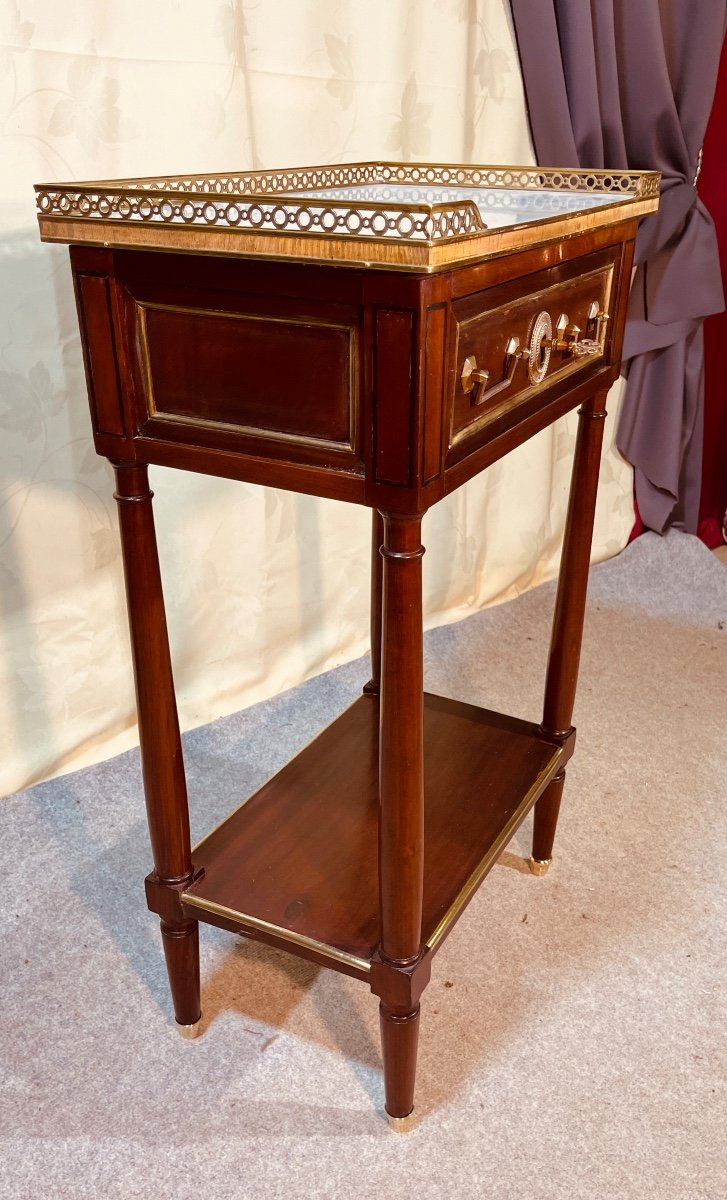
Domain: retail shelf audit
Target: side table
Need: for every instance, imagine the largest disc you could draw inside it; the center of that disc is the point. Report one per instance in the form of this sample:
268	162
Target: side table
376	333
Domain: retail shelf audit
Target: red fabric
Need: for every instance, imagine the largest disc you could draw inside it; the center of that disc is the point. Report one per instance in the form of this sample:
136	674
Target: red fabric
712	189
639	526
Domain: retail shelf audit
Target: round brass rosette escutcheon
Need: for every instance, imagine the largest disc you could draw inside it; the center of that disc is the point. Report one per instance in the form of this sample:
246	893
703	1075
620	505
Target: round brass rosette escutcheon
541	339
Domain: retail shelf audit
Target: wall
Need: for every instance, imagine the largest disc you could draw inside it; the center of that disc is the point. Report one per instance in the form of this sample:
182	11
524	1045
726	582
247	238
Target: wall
264	588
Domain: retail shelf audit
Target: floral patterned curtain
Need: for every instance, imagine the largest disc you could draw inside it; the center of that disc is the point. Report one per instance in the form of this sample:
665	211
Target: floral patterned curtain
263	588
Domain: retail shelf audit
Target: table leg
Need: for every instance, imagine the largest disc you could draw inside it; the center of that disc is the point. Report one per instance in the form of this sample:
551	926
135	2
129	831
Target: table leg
401	790
377	566
161	749
570	604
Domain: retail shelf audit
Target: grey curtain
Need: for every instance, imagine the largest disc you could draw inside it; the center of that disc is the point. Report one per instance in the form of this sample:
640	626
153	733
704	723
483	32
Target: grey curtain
630	83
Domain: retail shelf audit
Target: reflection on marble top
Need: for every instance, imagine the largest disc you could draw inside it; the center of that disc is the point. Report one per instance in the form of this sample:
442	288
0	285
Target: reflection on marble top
497	206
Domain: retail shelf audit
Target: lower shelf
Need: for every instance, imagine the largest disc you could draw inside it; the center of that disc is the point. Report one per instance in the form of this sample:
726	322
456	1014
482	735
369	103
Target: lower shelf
297	864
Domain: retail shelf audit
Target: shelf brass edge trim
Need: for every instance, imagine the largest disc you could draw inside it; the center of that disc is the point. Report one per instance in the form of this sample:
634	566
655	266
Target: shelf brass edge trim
494	852
288	935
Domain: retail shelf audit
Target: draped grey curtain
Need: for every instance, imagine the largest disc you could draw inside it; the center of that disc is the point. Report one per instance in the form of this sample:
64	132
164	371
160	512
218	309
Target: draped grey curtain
629	83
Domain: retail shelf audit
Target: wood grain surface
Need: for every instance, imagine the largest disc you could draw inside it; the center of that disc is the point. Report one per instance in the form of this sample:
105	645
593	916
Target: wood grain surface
301	854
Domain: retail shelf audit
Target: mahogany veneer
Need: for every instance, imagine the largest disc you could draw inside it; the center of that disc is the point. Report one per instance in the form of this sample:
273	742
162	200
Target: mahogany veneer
351	383
300	856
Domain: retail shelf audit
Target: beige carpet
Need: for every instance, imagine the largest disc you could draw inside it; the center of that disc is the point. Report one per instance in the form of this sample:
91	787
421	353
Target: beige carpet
572	1036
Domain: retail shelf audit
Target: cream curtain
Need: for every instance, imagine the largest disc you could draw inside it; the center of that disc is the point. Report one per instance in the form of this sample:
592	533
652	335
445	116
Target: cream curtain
263	588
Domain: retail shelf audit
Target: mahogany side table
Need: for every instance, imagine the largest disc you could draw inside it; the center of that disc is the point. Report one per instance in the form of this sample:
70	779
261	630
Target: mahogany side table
376	333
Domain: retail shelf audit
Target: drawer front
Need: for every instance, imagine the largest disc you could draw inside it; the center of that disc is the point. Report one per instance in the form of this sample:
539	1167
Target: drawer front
512	343
286	383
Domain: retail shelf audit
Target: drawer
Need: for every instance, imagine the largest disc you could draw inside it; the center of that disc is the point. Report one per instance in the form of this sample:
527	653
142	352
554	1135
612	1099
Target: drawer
512	343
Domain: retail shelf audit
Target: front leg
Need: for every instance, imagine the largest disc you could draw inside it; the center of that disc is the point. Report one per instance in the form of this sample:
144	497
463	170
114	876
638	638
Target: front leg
401	795
165	786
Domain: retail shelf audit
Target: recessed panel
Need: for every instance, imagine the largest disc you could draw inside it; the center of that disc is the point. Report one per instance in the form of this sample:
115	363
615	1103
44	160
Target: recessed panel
252	373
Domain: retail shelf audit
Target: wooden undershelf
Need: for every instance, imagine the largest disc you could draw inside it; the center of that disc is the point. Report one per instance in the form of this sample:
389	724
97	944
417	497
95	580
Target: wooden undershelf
296	865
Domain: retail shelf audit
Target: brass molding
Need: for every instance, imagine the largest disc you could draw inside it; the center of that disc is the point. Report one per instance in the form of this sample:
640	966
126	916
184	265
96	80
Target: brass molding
465	895
278	931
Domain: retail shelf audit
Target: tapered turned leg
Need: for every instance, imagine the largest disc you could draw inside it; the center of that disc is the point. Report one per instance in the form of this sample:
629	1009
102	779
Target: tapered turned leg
401	791
161	748
544	825
570	606
399	1039
181	951
373	687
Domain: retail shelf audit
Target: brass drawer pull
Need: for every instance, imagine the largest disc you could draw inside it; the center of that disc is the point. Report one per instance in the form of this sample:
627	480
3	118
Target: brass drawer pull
474	379
597	319
542	343
568	337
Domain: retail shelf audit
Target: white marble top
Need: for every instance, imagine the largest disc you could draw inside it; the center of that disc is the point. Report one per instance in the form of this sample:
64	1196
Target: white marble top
399	216
498	207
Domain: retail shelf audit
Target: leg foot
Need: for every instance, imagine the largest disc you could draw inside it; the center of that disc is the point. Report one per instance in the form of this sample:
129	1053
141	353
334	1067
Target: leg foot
189	1032
181	950
570	604
539	866
545	820
399	1040
402	1124
161	748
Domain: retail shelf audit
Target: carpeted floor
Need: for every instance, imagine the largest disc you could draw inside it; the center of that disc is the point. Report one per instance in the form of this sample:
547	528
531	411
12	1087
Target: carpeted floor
573	1033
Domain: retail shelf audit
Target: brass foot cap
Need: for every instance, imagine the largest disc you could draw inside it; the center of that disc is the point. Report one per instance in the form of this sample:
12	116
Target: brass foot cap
539	866
189	1032
401	1124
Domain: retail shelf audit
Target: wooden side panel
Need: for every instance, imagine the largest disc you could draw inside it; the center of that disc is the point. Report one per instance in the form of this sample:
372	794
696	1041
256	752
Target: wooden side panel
250	371
393	395
94	310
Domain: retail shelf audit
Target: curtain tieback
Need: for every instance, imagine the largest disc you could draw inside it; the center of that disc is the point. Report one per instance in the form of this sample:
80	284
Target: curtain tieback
678	278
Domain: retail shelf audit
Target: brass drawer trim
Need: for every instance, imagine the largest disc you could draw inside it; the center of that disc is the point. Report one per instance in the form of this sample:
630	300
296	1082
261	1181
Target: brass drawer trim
536	300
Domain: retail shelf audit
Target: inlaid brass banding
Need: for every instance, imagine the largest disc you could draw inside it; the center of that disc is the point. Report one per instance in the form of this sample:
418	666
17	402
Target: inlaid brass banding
494	851
132	499
278	931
